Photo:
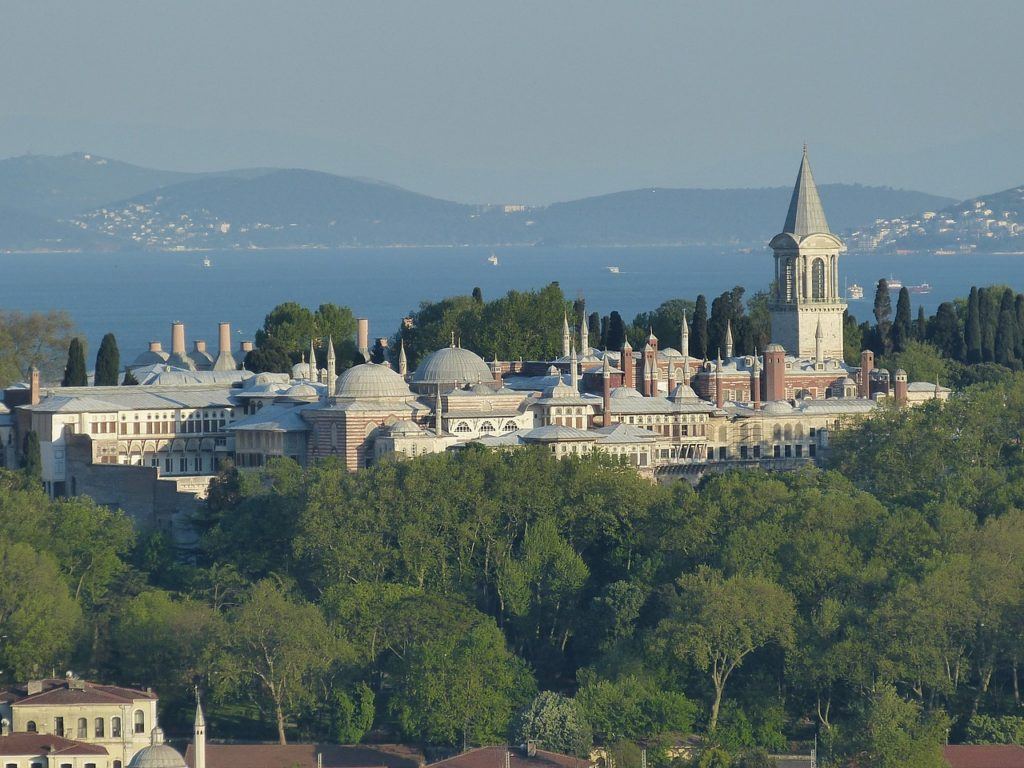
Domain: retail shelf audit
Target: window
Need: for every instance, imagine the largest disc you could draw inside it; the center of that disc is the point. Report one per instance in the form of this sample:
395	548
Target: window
140	721
810	450
83	728
117	764
777	451
30	726
487	427
115	727
462	427
98	728
90	765
818	279
58	726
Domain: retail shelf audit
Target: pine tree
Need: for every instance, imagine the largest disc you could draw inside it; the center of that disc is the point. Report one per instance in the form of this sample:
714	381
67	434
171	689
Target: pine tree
901	328
699	328
972	328
921	329
945	332
31	458
129	379
883	318
616	332
108	363
74	372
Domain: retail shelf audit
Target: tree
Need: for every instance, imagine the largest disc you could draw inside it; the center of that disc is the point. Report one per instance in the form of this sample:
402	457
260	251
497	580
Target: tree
31	458
594	329
921	326
555	723
632	709
920	360
988	316
893	733
717	622
616	333
273	651
38	617
699	328
972	328
270	356
478	295
853	339
902	331
1006	332
945	333
883	318
129	379
336	324
108	363
291	325
74	372
34	338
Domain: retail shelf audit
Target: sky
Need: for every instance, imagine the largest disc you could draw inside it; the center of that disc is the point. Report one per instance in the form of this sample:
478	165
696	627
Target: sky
528	101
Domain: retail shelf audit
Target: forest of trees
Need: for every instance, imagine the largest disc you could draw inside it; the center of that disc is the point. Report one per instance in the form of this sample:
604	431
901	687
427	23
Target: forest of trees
473	597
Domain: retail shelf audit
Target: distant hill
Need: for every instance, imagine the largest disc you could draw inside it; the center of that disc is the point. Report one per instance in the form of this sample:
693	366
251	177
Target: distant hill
100	202
993	222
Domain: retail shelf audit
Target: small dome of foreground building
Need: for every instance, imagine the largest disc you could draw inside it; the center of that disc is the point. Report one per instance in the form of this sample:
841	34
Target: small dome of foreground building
157	754
371	380
450	366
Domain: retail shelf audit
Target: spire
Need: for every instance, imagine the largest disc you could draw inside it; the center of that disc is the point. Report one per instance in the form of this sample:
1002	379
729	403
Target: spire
199	736
584	336
728	338
574	371
565	335
806	216
453	340
312	361
200	720
606	368
819	355
403	362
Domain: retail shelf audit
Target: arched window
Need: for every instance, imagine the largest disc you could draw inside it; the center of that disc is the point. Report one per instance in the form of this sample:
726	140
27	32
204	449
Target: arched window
487	427
97	728
462	426
787	280
30	726
140	721
510	426
115	727
818	279
83	728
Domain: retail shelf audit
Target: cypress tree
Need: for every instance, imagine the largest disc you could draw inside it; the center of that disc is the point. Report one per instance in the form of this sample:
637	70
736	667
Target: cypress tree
988	317
901	328
1006	331
108	363
921	329
594	328
74	372
478	295
129	379
972	328
1018	306
616	331
604	332
883	318
31	458
720	316
699	328
945	332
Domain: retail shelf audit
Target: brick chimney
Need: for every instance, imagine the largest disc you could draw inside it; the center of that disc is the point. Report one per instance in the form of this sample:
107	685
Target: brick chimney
224	337
155	346
867	364
901	387
178	338
33	386
626	364
200	345
363	337
775	372
246	346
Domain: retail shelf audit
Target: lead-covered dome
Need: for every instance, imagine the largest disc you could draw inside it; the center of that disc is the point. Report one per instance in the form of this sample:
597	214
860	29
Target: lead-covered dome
157	754
450	366
369	380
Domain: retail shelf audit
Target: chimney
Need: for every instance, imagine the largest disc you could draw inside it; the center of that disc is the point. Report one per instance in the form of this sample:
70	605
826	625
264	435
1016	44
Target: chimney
33	386
671	377
200	345
178	338
755	384
606	395
867	363
246	347
5	727
496	370
155	346
719	392
224	337
901	387
363	337
626	364
775	372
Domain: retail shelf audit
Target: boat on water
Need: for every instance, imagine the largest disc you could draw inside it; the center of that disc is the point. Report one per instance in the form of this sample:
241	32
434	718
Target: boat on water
922	288
613	270
493	260
207	263
894	283
855	291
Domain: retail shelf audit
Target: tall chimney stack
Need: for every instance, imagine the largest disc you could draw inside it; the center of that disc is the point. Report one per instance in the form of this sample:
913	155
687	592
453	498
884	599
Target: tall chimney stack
178	338
225	360
363	337
155	346
34	386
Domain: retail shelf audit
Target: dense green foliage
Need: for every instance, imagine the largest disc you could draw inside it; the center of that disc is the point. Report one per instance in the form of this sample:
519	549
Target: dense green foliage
75	374
288	330
35	338
108	363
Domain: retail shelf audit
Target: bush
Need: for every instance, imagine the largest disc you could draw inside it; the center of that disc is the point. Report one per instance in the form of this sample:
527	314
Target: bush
555	723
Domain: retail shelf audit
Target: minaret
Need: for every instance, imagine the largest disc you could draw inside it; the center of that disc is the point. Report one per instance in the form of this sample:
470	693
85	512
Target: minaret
312	361
728	339
684	347
584	337
199	736
719	394
574	373
807	275
626	364
496	370
403	361
438	426
755	383
566	342
819	356
606	396
332	366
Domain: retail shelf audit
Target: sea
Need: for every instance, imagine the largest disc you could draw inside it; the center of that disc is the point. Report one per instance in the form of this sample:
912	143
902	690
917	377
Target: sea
137	295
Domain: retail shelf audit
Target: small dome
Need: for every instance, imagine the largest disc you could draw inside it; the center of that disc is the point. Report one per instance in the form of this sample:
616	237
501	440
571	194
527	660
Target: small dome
848	382
560	389
682	392
302	392
621	392
773	347
778	408
369	380
150	357
450	365
157	754
553	370
405	427
483	389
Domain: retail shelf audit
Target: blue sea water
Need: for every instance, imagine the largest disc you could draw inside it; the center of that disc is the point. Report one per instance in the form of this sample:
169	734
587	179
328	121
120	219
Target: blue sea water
138	295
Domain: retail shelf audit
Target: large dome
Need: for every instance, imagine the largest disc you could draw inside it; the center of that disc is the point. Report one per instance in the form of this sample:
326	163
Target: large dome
452	365
371	380
157	754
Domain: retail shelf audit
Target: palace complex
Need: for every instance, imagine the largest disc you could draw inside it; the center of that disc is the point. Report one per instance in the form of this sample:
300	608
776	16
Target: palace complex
152	449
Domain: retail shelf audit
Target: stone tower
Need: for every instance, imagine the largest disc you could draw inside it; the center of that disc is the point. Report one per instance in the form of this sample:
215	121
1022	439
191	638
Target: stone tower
807	276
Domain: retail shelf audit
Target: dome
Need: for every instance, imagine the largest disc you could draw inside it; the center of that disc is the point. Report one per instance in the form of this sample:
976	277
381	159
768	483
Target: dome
620	392
405	427
157	754
450	365
150	357
778	408
682	392
302	392
369	380
773	347
483	389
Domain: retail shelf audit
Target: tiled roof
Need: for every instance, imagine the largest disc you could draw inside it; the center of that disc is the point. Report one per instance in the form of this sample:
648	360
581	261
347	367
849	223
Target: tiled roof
500	757
58	691
32	744
305	756
984	755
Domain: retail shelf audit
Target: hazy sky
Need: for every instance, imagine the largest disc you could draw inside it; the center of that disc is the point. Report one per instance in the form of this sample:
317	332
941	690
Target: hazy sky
521	100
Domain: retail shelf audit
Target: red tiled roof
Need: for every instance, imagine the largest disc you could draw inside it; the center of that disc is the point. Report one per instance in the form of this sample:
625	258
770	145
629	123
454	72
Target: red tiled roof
60	691
304	756
32	744
984	755
495	757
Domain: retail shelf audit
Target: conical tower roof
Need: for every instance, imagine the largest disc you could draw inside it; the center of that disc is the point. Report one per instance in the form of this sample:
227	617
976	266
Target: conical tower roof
806	216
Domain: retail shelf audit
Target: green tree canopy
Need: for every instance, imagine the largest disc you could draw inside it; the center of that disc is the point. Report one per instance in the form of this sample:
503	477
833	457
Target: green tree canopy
75	374
554	722
108	363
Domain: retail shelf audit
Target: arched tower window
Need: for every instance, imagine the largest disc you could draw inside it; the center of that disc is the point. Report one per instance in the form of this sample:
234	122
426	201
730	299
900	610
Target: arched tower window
788	281
140	721
818	279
